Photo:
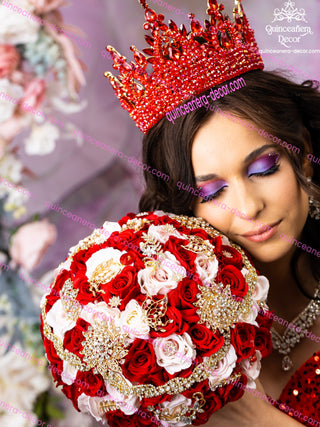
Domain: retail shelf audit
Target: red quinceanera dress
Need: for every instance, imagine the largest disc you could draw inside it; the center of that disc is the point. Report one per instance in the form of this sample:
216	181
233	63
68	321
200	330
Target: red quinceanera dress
302	393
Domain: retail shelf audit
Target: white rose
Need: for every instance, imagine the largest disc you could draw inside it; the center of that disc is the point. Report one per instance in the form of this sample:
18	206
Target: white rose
162	279
100	313
69	373
15	92
177	404
129	405
42	139
252	370
101	257
175	352
251	316
16	28
134	321
207	269
261	290
162	233
91	405
58	320
63	266
223	369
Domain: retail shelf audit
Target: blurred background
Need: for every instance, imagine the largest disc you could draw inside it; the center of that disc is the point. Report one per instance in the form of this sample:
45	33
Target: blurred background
77	175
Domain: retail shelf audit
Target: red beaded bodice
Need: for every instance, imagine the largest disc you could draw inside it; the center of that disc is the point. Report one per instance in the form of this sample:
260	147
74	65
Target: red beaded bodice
302	393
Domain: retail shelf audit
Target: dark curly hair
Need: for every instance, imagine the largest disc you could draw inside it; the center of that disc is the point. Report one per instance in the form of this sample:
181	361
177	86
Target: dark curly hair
269	100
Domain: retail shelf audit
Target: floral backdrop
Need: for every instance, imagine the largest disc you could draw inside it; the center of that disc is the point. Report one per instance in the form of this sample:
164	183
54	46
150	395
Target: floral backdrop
54	101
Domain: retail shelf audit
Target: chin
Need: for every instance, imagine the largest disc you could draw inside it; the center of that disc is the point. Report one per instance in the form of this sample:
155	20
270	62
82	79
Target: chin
268	253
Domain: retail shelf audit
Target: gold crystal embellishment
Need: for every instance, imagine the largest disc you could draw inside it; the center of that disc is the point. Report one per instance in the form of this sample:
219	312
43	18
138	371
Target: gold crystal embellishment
199	246
104	273
155	311
218	309
68	296
104	348
115	302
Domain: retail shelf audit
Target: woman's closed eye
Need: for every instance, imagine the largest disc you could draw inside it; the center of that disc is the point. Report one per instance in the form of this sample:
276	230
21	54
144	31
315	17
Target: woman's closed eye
263	166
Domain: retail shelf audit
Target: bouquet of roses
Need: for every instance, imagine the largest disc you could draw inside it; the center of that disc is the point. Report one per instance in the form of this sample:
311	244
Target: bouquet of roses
153	319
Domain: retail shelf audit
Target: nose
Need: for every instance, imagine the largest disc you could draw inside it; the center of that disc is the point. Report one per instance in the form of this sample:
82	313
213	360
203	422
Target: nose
246	200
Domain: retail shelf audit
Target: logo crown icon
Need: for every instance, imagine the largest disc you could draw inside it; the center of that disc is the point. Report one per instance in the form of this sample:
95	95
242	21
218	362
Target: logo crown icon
184	64
289	12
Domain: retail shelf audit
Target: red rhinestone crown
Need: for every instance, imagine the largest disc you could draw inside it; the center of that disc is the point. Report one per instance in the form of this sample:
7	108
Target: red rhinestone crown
183	64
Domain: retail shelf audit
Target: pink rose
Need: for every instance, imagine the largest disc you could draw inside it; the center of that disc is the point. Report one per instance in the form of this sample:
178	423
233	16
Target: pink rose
34	93
30	242
9	59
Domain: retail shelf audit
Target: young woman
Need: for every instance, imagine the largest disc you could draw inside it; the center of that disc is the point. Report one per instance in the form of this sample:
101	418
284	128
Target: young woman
223	152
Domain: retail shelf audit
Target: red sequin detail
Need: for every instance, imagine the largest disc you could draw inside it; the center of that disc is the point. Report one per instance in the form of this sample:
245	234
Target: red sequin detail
182	67
302	391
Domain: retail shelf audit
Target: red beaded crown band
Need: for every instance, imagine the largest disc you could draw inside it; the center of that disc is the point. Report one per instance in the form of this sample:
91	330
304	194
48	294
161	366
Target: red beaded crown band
183	64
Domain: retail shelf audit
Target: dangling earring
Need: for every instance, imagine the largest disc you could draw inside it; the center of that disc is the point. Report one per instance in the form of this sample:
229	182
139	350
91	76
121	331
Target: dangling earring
314	205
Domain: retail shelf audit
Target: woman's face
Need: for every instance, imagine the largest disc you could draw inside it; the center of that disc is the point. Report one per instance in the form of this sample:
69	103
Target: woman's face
250	175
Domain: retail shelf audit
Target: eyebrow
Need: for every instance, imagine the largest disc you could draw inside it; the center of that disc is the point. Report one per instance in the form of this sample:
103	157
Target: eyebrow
247	159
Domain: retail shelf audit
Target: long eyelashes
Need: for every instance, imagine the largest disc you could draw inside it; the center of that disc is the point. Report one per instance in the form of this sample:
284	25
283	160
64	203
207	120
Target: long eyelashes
263	166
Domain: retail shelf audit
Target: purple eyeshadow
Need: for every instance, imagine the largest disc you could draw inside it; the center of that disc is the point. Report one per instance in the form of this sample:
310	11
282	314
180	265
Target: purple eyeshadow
212	187
263	164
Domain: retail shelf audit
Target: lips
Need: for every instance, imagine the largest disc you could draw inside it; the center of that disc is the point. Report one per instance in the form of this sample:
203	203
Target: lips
261	230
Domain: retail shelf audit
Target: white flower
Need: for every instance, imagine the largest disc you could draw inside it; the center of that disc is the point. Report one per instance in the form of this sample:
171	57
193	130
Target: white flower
91	405
10	168
162	279
251	316
101	257
252	370
224	367
42	139
100	313
69	373
134	321
206	268
63	266
225	241
261	290
177	404
13	91
175	352
58	320
129	405
163	232
21	382
16	28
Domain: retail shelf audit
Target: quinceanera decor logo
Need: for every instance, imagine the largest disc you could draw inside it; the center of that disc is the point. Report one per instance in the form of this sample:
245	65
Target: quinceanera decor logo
289	13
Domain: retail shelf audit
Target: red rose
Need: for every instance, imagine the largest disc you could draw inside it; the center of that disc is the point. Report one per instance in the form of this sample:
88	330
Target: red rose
186	293
56	364
263	341
126	218
55	290
124	285
140	418
242	338
73	338
91	384
141	364
231	276
230	256
80	258
263	319
85	295
184	256
121	240
72	392
205	340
